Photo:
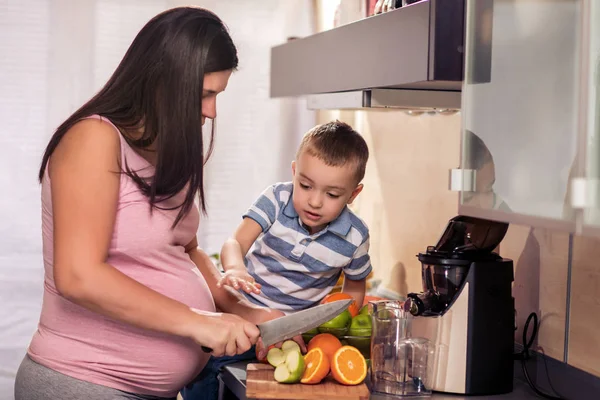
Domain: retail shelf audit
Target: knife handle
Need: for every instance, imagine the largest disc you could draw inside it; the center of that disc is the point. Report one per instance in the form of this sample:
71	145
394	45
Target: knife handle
206	349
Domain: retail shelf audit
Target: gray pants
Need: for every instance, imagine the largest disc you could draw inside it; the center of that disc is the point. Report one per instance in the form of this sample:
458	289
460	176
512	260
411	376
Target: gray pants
36	382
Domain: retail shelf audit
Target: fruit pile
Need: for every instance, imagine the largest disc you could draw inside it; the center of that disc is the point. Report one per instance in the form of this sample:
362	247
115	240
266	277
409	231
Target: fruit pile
353	326
340	347
325	355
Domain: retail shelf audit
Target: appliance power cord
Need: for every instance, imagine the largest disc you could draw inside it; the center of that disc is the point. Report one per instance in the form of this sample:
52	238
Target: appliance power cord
525	355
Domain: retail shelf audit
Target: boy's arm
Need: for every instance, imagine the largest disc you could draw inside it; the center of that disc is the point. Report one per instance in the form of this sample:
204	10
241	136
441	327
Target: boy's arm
232	257
235	248
259	218
355	273
356	289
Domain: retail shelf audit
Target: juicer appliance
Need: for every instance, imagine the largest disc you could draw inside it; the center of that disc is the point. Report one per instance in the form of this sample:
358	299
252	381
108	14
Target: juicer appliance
466	309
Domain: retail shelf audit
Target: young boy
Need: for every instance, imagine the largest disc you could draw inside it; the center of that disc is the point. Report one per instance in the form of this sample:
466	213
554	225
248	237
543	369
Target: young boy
297	238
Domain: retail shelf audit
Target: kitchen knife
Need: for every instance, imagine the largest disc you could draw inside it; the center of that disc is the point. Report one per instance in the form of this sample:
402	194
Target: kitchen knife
291	325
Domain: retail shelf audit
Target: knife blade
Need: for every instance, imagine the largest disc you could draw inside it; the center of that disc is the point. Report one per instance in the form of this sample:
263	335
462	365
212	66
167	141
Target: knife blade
289	326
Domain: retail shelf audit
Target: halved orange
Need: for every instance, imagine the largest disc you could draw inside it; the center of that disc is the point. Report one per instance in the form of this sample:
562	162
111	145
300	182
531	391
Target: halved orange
317	366
348	366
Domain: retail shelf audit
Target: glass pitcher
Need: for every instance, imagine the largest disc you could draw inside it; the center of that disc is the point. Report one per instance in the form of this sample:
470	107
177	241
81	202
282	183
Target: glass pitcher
399	363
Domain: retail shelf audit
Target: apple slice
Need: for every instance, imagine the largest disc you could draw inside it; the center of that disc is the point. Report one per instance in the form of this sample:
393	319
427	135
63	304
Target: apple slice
290	345
276	357
282	374
292	369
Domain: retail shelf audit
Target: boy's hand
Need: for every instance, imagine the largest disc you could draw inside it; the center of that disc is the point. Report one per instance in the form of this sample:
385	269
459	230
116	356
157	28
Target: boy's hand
238	279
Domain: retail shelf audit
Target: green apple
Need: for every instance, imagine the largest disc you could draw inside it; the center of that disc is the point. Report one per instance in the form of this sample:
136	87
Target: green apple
290	345
364	310
309	335
276	356
339	321
313	331
338	325
361	325
292	369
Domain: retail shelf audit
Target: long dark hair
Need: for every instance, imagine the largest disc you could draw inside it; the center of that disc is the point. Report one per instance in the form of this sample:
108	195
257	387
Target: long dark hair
158	87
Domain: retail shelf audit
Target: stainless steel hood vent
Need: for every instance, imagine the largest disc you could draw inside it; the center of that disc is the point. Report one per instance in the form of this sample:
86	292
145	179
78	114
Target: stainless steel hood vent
411	57
386	98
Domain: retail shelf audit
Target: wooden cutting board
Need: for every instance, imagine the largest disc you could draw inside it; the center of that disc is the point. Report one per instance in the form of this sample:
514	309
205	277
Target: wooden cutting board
260	384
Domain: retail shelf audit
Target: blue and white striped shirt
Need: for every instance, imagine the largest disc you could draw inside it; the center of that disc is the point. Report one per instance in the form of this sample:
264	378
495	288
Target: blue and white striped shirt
297	269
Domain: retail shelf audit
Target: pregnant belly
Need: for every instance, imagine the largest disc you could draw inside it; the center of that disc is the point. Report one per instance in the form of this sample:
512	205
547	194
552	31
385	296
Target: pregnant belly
154	364
98	349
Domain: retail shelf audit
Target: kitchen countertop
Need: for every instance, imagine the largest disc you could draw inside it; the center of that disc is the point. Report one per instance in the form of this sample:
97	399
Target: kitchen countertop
234	378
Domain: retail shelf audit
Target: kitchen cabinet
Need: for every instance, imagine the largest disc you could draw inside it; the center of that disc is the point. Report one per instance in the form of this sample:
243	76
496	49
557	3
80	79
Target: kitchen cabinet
528	132
407	58
530	153
590	145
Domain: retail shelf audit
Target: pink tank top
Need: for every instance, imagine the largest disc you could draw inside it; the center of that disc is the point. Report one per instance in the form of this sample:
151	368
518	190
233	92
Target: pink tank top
88	346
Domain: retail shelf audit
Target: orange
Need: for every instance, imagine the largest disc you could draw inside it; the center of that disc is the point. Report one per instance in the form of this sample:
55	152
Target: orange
317	366
353	308
326	342
348	366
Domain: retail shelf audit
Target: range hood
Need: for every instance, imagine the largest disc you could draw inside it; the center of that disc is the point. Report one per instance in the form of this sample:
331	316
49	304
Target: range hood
410	58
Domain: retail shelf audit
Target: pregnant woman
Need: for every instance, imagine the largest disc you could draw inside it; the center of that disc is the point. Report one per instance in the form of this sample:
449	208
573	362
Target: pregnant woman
129	299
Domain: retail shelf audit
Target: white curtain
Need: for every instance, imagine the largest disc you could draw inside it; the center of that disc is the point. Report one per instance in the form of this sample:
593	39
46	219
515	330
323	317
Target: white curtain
54	54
